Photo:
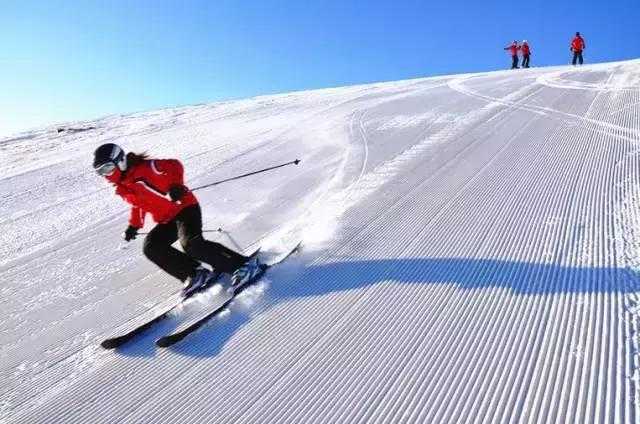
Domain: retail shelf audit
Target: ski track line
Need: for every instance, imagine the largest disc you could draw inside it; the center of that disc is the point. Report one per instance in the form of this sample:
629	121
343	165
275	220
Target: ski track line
552	80
505	249
626	222
514	308
473	362
338	179
554	336
620	298
629	135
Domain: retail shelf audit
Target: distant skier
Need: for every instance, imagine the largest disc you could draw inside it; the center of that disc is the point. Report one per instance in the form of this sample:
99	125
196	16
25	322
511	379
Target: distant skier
526	53
577	46
156	187
513	50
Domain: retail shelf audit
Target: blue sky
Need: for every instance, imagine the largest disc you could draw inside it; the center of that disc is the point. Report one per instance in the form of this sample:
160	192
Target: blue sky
72	60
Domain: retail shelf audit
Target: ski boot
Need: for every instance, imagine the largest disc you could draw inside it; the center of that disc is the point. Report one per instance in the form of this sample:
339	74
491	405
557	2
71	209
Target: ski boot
247	272
200	279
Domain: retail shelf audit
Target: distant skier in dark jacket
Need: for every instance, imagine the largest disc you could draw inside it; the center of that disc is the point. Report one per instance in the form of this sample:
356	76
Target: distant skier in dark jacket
526	53
577	46
156	187
513	50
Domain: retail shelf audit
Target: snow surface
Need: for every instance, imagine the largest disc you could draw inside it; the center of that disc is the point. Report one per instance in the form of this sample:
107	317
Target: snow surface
471	254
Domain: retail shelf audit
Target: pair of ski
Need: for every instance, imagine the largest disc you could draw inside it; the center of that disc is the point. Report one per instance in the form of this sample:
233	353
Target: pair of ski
174	338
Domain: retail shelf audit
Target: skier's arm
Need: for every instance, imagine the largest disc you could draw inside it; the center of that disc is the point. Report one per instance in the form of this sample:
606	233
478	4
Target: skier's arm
136	219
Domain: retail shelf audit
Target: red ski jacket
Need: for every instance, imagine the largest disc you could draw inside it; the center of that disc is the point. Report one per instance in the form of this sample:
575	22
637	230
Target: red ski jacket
146	185
513	49
525	49
577	44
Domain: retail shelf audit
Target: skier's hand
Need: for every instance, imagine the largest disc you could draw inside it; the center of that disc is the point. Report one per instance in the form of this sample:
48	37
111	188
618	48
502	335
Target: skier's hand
177	192
130	233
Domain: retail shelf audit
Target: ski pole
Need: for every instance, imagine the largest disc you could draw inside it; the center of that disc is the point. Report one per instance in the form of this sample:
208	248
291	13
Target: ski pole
293	162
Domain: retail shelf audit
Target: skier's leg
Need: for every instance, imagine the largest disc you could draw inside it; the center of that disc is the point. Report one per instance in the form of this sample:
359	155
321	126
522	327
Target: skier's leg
218	256
575	58
157	248
580	58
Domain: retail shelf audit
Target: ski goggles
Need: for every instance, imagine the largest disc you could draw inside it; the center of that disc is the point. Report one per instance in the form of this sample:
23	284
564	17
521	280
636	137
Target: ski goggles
106	169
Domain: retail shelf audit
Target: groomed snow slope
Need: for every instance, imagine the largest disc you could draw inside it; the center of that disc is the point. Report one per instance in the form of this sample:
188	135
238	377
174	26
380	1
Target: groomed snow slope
472	249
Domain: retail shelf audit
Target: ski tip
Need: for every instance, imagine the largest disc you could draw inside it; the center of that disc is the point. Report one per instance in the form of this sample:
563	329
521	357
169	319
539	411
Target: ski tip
110	344
167	341
162	342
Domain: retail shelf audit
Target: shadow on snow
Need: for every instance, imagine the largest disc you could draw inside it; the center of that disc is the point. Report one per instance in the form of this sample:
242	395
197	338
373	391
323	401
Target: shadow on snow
295	280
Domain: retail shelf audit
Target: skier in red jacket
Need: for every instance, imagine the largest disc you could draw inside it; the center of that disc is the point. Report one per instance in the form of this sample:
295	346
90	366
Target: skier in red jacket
577	46
513	50
526	53
156	187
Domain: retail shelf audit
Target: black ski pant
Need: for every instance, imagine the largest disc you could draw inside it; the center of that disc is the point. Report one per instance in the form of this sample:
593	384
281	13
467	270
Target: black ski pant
577	57
514	62
187	227
525	61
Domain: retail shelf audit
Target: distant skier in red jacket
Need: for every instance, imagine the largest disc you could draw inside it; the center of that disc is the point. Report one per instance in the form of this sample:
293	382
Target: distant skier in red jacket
156	187
513	50
526	53
577	46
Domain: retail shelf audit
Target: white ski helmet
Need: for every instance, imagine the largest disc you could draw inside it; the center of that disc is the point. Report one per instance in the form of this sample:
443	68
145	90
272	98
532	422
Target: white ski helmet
107	157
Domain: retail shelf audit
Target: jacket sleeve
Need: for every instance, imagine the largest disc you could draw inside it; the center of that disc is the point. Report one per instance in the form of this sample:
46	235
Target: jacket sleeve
171	168
136	219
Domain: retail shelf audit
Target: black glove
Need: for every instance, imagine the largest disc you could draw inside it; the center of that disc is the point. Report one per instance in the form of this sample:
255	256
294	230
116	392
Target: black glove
130	233
177	192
